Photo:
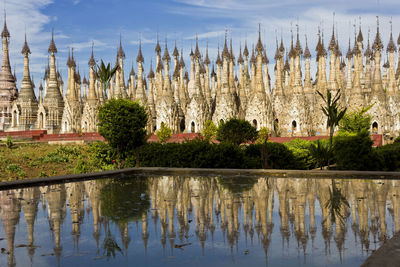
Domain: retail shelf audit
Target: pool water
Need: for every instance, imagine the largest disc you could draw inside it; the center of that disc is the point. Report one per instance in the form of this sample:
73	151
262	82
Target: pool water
198	221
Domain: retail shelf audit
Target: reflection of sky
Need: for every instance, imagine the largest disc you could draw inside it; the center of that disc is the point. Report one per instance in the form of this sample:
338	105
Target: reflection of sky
217	250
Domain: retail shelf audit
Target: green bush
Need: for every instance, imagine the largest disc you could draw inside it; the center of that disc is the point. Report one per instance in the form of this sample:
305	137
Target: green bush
320	153
389	156
209	131
301	151
81	166
122	123
356	121
192	154
262	135
277	156
354	152
9	142
164	133
236	131
62	154
102	156
15	169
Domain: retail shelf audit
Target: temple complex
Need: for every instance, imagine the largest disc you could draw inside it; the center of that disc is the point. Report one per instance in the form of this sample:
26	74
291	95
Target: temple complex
183	96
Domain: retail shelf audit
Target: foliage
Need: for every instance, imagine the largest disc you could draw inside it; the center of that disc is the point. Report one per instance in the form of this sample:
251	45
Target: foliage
397	140
355	152
210	130
105	73
81	166
9	142
262	136
389	156
164	133
192	154
236	131
15	169
110	245
43	174
335	203
356	120
332	112
301	152
320	153
102	155
62	154
122	200
277	156
237	184
122	123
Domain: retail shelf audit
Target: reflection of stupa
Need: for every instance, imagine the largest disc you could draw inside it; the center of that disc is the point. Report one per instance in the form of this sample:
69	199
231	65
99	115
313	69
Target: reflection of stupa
10	209
190	210
30	201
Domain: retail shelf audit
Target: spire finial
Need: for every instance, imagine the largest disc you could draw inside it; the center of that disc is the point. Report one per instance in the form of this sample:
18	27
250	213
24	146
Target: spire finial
139	57
5	32
52	46
91	60
25	48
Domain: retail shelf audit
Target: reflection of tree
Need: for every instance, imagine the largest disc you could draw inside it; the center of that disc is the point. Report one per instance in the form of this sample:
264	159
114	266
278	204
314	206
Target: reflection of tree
237	184
110	245
122	201
336	204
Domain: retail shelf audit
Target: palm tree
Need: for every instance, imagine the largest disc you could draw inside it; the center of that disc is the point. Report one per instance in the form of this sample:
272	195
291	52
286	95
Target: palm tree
332	111
334	114
105	73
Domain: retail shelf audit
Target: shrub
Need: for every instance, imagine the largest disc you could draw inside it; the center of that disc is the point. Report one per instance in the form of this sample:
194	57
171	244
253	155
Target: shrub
192	154
62	154
277	156
356	121
301	152
81	166
15	169
9	142
43	174
236	131
210	130
122	123
389	156
355	152
102	155
164	133
320	153
262	135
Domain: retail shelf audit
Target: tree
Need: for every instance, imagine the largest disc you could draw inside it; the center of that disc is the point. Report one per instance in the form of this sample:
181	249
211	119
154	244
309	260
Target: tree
332	111
210	130
262	136
122	123
356	121
164	133
236	131
105	74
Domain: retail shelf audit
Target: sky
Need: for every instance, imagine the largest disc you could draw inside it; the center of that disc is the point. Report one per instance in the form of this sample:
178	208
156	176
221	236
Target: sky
78	23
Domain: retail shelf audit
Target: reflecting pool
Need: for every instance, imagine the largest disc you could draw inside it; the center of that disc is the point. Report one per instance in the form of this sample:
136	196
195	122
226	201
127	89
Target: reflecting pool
198	221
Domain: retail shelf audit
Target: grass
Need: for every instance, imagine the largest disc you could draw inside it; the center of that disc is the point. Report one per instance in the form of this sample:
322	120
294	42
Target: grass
39	160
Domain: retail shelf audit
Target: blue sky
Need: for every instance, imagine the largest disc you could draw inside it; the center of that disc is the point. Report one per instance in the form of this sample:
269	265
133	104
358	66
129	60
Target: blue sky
79	22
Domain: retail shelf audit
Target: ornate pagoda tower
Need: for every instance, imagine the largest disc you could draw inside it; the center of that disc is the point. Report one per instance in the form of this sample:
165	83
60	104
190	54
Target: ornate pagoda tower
8	88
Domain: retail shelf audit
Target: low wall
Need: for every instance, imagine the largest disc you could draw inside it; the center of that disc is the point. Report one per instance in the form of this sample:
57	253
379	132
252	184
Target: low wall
158	171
